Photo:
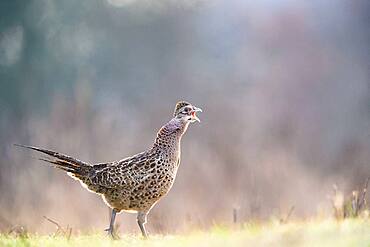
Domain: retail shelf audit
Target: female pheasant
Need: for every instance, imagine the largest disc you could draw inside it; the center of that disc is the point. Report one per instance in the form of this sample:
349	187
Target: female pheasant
133	184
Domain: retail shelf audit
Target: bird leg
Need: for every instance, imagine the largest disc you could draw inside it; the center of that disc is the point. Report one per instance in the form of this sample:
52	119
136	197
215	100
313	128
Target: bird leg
111	224
141	220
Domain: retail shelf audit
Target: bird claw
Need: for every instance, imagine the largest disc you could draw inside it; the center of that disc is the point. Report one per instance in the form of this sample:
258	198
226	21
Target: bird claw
111	233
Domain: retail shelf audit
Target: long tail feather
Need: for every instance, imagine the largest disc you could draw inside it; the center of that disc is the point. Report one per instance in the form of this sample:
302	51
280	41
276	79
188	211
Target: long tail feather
63	162
61	166
56	155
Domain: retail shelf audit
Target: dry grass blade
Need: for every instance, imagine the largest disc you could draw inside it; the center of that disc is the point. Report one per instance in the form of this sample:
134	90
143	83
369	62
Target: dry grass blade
19	231
60	230
362	201
286	219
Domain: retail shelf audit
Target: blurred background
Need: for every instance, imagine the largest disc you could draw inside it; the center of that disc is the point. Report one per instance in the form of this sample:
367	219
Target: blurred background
284	87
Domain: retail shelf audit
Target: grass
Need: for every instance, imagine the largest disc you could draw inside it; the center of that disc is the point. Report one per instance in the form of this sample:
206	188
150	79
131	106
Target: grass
310	233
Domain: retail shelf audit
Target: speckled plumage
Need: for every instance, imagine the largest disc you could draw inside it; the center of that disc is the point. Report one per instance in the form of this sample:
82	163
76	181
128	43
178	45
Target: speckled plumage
134	184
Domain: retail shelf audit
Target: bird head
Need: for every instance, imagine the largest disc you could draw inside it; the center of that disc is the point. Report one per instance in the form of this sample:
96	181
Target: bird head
186	112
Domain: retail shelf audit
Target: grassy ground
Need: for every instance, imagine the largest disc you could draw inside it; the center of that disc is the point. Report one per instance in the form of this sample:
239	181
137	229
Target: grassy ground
315	233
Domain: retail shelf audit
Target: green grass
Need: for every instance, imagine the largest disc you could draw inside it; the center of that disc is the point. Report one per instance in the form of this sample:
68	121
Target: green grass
312	233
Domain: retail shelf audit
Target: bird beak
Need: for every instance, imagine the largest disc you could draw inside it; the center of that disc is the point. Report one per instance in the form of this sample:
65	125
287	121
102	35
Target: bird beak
193	113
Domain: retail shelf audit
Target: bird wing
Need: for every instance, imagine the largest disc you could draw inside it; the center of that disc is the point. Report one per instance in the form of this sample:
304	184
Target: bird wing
123	173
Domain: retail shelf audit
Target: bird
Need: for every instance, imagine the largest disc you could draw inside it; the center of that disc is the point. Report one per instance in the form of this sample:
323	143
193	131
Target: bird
133	184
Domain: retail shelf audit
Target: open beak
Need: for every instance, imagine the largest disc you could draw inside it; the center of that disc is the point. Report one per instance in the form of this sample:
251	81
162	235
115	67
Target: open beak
194	112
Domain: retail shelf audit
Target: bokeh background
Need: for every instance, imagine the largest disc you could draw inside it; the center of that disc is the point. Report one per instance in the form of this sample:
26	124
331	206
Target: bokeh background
284	85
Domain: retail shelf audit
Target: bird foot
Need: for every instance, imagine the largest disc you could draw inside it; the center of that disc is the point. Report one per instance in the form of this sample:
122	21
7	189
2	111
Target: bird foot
111	233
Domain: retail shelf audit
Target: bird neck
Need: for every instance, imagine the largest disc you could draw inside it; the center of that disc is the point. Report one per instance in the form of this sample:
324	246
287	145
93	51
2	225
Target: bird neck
169	136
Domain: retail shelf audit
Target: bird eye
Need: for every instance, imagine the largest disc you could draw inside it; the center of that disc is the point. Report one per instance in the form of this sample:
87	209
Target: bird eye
186	110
